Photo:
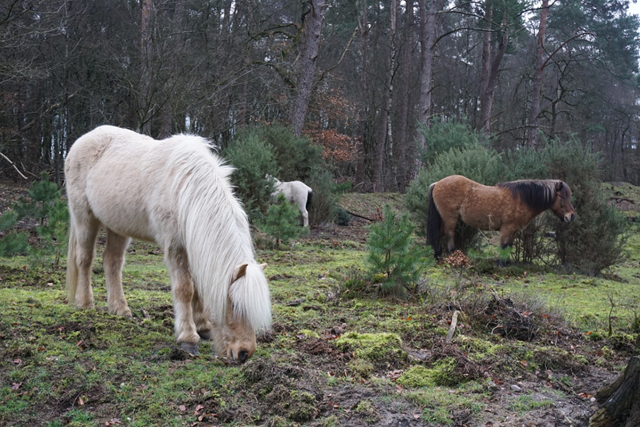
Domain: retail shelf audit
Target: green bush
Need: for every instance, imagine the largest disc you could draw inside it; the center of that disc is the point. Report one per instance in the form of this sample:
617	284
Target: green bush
393	253
282	222
274	150
324	201
596	239
444	136
44	204
296	157
253	159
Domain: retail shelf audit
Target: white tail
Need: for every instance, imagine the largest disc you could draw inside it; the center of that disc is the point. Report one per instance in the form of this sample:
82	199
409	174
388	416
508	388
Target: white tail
72	268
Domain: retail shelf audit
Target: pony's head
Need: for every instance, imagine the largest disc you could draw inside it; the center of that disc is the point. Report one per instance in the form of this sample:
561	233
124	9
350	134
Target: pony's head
562	206
246	313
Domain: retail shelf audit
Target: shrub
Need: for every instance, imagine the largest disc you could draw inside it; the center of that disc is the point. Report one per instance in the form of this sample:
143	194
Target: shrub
296	157
444	136
254	160
282	222
596	239
44	204
274	150
324	202
393	253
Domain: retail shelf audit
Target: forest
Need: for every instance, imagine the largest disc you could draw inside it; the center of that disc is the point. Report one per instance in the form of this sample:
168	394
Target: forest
363	79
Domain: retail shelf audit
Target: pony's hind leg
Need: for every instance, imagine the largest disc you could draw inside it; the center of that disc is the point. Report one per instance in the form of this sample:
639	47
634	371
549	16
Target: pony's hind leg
86	232
113	260
183	290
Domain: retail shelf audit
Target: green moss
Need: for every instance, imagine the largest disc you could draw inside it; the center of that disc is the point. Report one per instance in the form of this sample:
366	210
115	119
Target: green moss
374	347
361	368
310	334
441	374
417	376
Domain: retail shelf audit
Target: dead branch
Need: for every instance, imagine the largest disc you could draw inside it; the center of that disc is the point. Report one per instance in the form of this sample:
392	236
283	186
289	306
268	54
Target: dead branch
14	166
452	328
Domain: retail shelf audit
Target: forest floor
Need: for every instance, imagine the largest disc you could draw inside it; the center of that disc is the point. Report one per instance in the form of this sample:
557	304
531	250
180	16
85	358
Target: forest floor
531	346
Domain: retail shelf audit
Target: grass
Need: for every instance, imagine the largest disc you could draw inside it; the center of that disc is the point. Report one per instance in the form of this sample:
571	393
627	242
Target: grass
335	354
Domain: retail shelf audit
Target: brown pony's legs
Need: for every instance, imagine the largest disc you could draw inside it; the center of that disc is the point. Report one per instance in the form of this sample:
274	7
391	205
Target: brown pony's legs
86	230
183	295
113	260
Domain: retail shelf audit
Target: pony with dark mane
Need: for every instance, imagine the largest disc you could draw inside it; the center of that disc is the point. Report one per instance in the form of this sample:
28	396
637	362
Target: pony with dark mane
507	207
176	193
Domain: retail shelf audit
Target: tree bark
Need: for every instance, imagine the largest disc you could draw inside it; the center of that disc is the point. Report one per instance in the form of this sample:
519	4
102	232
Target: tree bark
383	132
536	89
146	46
363	111
400	146
620	401
491	62
428	22
307	65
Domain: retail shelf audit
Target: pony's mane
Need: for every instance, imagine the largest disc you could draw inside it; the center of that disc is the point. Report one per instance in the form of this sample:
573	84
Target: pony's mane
215	232
537	194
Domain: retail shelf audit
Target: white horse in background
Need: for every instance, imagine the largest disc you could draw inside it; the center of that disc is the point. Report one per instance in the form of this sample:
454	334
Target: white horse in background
176	193
295	192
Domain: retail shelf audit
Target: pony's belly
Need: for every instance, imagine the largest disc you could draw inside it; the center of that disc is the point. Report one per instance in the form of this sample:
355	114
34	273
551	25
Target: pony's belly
485	221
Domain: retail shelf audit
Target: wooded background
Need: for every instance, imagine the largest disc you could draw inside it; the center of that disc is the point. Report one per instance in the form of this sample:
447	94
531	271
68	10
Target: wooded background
359	77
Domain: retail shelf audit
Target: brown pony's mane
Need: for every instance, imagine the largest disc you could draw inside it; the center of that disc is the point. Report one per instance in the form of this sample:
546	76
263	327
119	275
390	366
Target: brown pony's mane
537	194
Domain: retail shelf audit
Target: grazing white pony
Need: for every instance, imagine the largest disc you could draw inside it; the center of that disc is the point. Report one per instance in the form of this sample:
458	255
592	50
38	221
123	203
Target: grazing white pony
295	192
176	193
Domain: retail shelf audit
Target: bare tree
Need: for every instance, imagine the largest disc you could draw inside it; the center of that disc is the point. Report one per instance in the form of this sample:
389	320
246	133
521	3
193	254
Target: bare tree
306	66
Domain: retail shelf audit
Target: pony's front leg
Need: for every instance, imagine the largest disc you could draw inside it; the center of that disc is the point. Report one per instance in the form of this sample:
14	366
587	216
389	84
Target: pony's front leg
113	260
183	293
203	324
506	241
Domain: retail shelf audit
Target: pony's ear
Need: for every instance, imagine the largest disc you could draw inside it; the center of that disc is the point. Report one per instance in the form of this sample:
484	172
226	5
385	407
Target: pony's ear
559	185
239	271
263	266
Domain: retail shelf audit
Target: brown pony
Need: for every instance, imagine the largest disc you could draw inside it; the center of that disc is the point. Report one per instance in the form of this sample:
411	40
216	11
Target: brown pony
507	207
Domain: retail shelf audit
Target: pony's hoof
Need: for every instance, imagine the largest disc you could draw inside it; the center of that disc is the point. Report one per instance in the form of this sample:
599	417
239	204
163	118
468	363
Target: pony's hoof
205	334
190	348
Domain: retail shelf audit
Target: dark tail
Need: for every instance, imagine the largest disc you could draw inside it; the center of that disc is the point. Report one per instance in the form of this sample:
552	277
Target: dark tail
434	225
309	197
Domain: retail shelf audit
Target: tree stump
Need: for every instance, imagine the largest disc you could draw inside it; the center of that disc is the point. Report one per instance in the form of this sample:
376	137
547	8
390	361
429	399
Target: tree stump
620	401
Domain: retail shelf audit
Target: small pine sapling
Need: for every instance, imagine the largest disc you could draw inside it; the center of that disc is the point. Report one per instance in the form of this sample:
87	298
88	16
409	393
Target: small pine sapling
394	254
282	222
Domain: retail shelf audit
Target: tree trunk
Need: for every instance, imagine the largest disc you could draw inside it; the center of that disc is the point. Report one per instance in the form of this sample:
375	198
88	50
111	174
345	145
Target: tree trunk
307	65
363	111
400	145
620	401
146	46
536	89
378	162
427	47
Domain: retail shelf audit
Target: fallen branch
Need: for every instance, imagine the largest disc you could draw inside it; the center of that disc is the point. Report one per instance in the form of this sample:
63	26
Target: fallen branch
14	165
360	216
452	328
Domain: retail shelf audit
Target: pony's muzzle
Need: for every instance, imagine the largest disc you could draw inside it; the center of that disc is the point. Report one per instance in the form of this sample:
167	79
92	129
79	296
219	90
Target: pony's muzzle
241	357
569	218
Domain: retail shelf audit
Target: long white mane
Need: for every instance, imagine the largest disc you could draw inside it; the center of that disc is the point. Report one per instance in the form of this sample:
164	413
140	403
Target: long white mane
215	232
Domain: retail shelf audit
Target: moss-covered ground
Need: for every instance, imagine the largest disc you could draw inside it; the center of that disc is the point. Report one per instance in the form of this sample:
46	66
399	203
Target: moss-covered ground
532	345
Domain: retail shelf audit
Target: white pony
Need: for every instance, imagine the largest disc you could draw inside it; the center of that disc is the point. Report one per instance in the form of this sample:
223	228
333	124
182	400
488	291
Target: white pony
176	193
295	192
